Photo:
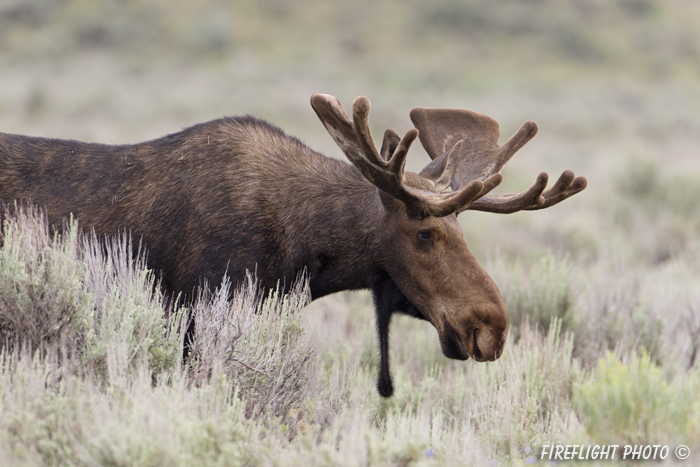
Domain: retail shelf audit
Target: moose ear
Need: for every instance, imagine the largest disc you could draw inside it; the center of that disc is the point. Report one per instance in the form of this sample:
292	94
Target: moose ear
441	171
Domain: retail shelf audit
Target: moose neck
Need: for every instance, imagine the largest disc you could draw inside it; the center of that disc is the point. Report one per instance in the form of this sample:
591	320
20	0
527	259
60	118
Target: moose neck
339	246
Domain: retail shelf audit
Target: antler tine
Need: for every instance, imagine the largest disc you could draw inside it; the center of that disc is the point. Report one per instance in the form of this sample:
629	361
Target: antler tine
355	139
527	131
509	203
566	186
389	144
535	197
360	118
333	116
444	180
385	174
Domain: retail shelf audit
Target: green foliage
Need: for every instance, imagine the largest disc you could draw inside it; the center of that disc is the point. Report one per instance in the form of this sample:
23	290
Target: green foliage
38	416
632	403
84	299
619	316
129	422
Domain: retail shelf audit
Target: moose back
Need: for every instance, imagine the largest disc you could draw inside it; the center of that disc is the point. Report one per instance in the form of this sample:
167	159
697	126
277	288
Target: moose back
238	194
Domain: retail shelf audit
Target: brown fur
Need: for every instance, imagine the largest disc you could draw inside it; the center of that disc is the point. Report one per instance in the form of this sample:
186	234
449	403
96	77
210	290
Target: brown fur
237	194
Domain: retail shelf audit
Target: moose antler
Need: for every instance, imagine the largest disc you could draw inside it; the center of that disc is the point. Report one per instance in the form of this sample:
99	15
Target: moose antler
481	158
385	168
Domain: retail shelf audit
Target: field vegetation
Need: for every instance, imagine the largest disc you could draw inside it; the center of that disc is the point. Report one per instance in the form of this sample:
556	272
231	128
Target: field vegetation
602	290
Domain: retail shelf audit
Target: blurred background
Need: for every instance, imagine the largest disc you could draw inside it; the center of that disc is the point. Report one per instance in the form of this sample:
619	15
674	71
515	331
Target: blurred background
613	85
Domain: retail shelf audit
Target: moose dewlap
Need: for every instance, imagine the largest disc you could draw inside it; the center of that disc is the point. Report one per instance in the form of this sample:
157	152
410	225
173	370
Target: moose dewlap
237	194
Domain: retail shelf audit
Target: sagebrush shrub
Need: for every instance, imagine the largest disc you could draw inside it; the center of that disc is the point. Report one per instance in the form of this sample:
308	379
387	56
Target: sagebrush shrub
258	341
42	300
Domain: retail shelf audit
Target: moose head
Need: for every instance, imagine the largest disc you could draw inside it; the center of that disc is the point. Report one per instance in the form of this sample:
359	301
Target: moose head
430	272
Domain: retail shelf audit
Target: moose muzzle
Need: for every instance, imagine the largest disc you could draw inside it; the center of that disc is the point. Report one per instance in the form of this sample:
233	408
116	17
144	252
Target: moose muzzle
481	336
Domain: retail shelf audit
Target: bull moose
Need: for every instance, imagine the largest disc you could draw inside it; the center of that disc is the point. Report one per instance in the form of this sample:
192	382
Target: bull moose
237	194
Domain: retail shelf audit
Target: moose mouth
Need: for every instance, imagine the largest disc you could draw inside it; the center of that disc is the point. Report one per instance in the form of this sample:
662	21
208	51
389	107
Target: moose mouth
451	343
453	346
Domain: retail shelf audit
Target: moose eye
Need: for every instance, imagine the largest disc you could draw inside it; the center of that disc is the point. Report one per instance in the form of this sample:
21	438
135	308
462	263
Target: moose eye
425	235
